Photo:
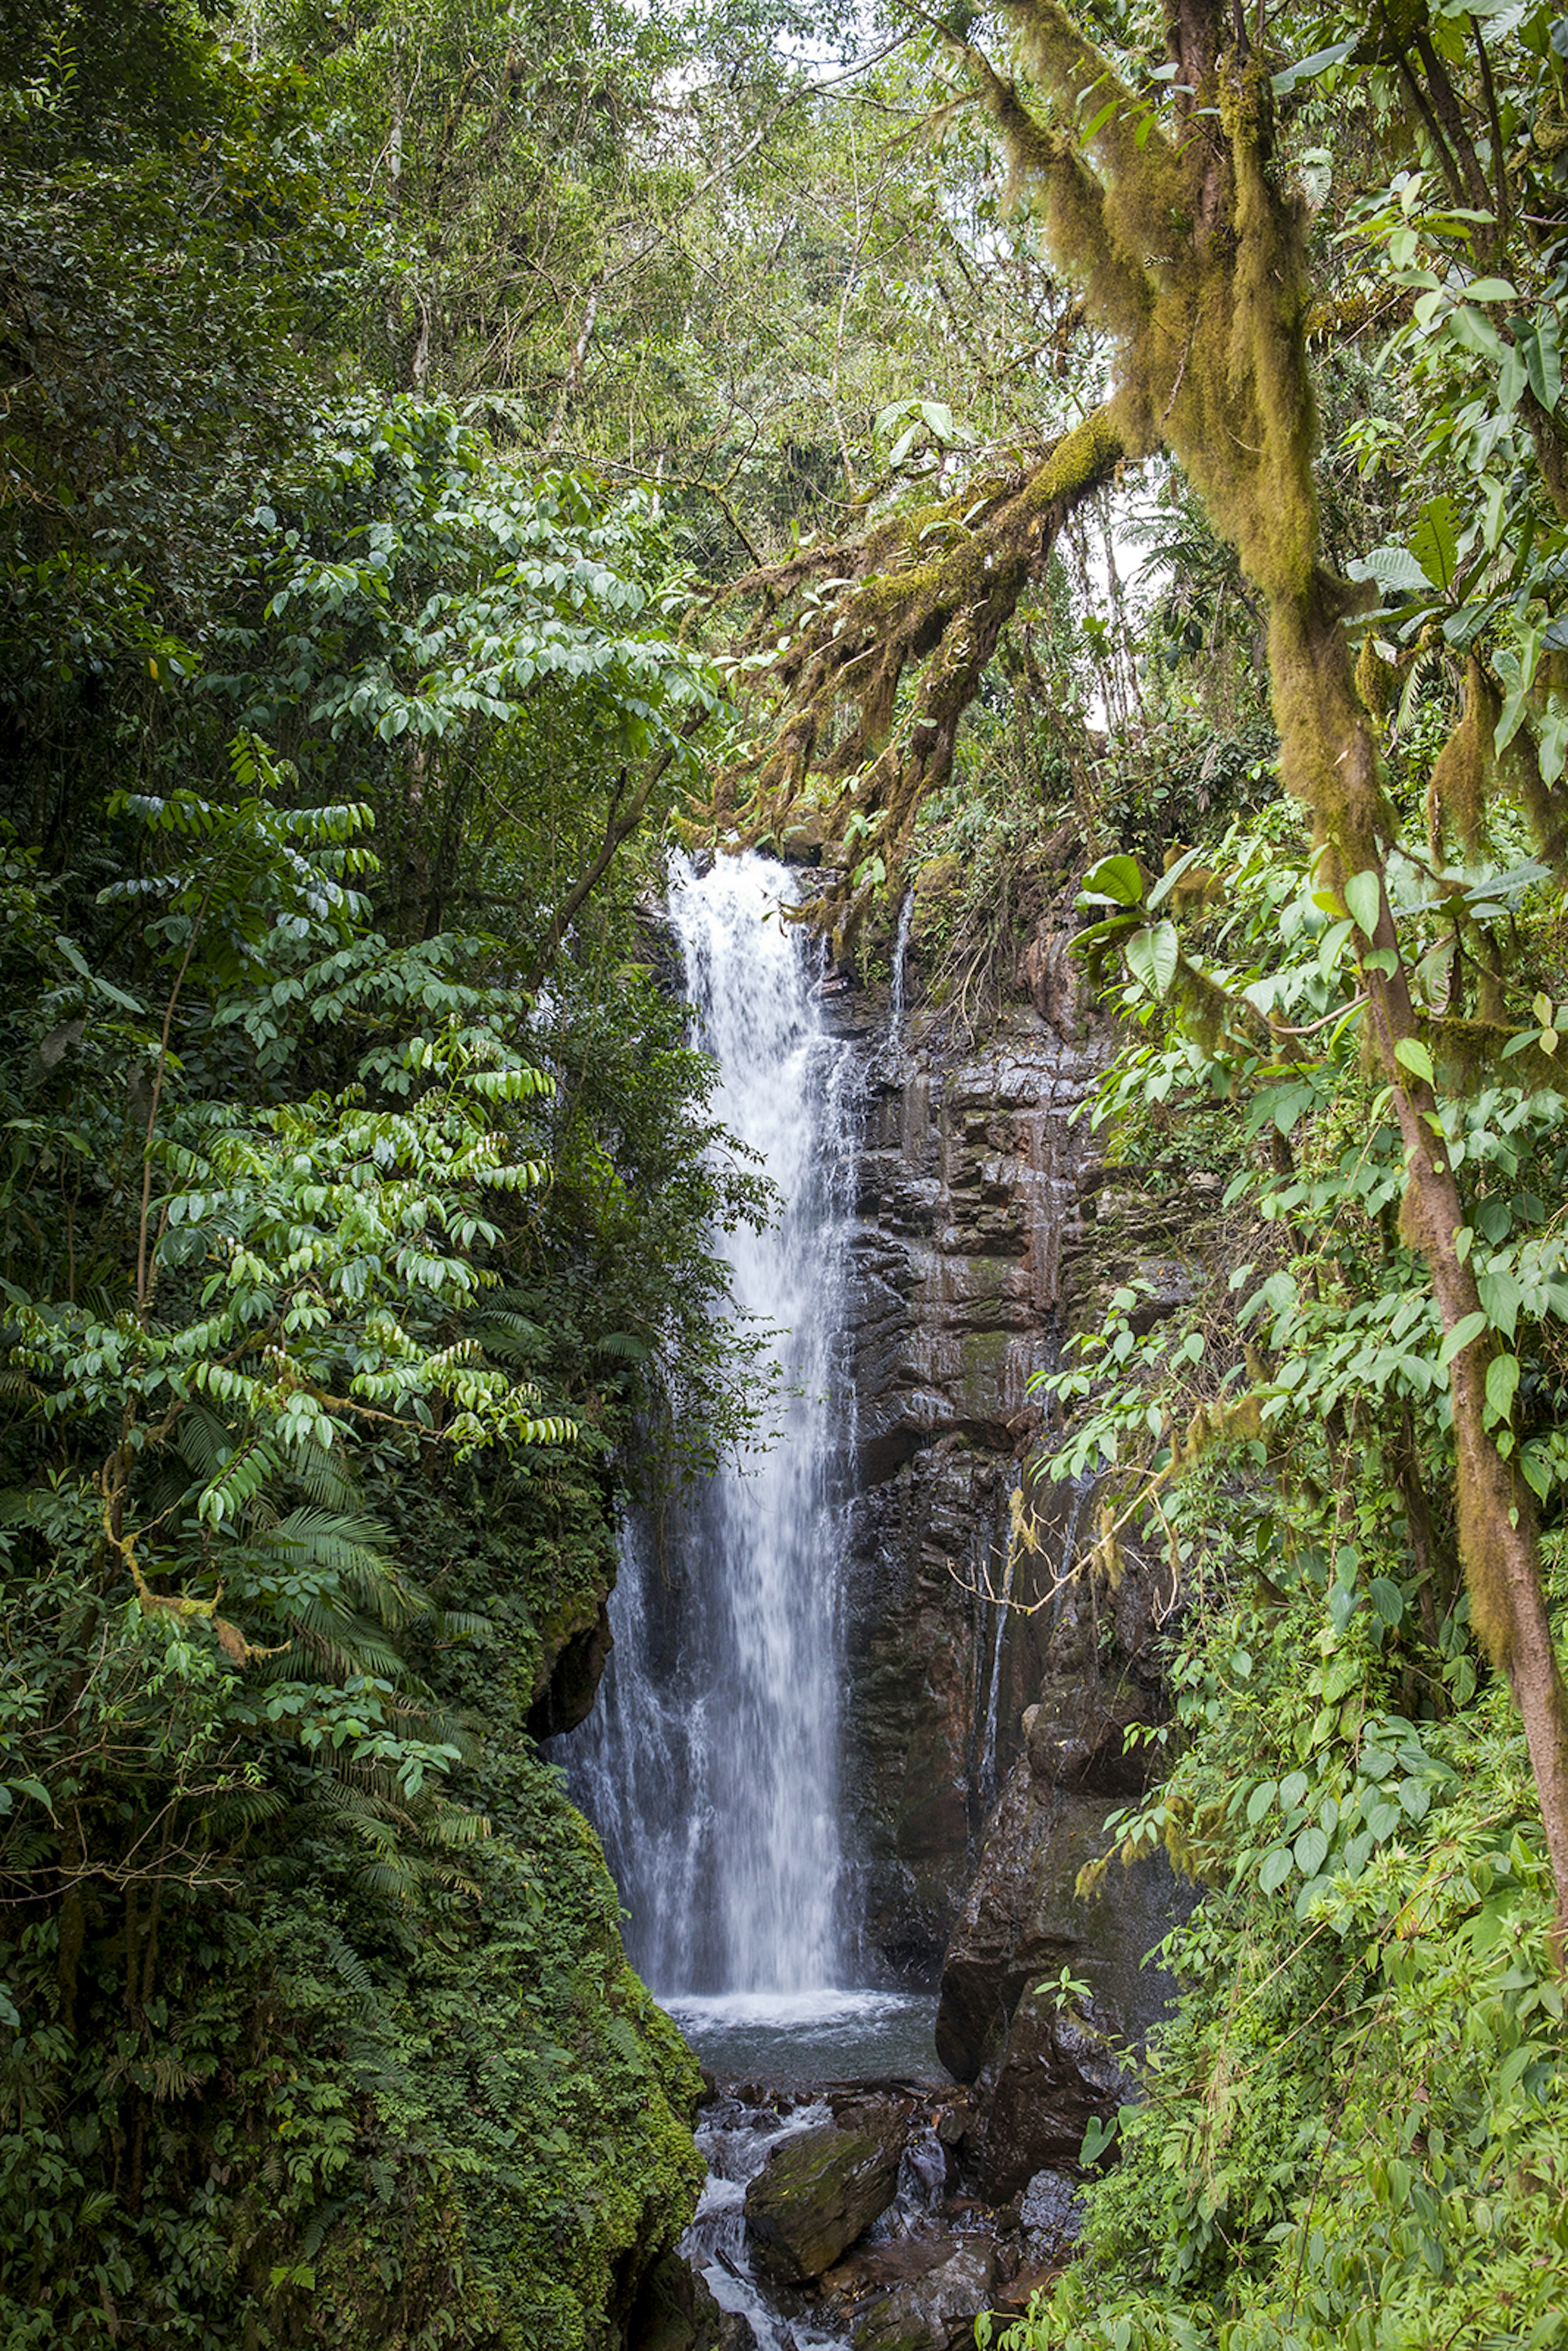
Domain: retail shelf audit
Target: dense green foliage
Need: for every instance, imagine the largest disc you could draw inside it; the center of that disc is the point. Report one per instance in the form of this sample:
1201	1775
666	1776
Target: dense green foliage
1353	2129
337	1264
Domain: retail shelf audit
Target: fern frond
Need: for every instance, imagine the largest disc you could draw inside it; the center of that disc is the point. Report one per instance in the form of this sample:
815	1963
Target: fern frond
348	1963
327	1479
241	1809
624	1343
462	1624
454	1825
202	1441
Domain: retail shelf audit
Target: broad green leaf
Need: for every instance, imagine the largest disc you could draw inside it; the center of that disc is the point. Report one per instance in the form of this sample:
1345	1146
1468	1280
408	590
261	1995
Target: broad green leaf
1278	1863
1171	876
1538	346
1412	1055
1465	1332
1363	896
1387	1599
1474	330
1322	61
1435	542
1118	881
1113	926
1312	1851
1258	1802
1394	569
1502	1383
1331	946
1152	958
1513	2067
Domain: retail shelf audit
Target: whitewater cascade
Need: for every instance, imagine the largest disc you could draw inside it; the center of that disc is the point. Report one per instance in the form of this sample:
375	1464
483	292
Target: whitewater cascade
710	1765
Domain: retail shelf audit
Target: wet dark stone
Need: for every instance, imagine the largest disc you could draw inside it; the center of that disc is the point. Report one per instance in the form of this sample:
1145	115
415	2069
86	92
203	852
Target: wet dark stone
817	2193
1055	2074
566	1698
937	2308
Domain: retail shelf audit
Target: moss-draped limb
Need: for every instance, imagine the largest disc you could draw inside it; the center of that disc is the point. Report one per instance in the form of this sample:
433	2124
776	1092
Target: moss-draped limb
933	592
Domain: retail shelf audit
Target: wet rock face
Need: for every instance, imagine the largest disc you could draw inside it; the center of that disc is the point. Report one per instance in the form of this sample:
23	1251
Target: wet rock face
1055	2072
1042	2066
570	1672
818	2191
970	1188
676	2310
1022	1920
988	1229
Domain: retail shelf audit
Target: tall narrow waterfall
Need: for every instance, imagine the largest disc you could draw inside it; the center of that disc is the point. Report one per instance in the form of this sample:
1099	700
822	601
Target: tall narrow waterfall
710	1765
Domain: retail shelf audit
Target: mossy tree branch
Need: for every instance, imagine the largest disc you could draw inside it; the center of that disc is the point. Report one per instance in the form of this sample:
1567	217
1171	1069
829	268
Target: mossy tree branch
930	593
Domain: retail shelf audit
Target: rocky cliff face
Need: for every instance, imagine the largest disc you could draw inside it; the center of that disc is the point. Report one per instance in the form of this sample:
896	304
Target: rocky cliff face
988	1229
970	1195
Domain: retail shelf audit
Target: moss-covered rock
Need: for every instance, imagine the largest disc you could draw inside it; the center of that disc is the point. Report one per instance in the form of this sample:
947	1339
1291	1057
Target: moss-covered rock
819	2191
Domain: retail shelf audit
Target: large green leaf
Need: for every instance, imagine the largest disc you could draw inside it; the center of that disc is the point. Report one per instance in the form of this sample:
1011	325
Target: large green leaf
1115	880
1434	541
1363	896
1152	958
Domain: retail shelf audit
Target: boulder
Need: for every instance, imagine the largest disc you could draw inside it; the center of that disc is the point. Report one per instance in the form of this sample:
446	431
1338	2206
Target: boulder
1050	2216
1077	1735
1022	1922
1055	2072
937	2310
1013	2299
818	2191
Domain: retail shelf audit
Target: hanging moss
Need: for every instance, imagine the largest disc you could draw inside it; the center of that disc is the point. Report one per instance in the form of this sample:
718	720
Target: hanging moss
1545	806
1466	772
1376	681
903	612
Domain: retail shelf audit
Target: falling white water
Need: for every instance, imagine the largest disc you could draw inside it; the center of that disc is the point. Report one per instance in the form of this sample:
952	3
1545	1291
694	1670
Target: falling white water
710	1766
900	964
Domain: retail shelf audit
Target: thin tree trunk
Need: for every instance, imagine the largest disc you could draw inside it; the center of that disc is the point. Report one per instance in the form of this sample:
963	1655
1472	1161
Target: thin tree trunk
1500	1539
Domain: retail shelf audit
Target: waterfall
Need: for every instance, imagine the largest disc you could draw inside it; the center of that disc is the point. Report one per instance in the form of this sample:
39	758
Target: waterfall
710	1765
895	1005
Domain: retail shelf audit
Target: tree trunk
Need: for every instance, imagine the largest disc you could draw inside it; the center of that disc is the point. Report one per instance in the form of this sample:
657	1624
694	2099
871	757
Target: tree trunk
1499	1539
